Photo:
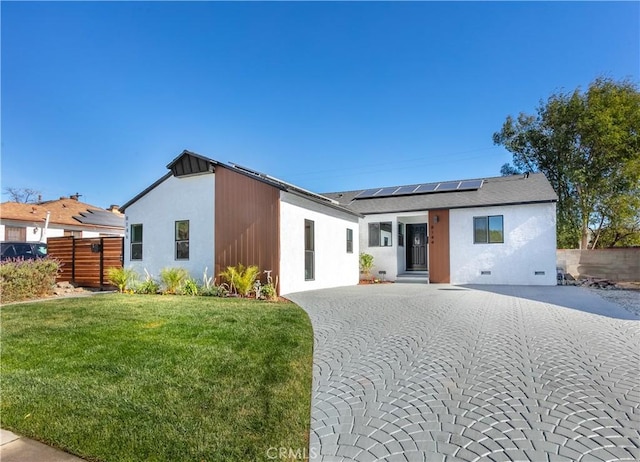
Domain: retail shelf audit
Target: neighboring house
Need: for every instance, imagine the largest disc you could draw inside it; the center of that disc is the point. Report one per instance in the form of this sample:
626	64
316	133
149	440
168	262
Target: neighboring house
67	216
206	214
498	230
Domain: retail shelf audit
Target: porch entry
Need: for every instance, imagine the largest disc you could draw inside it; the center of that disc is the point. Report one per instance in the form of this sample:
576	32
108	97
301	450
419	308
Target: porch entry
416	246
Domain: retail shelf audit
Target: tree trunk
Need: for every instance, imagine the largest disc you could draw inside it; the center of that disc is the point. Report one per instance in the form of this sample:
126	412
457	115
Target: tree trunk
584	241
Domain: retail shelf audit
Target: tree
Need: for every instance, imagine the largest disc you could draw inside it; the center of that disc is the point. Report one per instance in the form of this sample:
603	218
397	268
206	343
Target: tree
508	170
588	146
23	195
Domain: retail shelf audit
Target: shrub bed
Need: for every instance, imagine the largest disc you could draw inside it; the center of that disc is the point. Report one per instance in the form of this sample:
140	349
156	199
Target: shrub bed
27	279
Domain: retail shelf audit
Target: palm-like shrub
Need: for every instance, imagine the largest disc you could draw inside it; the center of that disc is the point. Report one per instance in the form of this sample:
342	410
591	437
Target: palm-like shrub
122	278
241	279
173	278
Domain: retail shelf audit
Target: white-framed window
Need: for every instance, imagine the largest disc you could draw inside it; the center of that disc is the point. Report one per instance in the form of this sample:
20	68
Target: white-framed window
349	240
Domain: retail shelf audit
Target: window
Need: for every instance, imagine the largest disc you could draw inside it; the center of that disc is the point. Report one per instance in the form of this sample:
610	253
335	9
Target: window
401	234
488	230
182	240
349	240
15	233
309	257
136	242
380	234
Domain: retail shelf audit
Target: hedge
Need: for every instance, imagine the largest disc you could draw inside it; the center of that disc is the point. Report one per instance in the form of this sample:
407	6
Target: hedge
27	279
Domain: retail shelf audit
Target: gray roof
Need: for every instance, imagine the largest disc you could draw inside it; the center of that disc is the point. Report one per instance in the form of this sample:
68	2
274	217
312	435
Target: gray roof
502	190
190	163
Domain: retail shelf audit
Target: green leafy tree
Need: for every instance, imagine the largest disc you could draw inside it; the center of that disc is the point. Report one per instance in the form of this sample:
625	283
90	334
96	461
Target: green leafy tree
588	146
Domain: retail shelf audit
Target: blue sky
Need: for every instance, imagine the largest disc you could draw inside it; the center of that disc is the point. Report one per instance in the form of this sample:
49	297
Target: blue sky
98	97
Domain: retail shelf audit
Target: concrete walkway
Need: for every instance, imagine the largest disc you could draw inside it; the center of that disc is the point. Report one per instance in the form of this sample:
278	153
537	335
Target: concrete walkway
407	372
14	448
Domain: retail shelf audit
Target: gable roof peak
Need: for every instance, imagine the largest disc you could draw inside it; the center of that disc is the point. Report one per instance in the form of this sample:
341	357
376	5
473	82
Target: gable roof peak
191	163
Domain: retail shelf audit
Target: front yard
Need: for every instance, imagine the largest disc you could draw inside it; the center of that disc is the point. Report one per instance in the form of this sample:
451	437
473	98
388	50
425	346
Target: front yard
163	378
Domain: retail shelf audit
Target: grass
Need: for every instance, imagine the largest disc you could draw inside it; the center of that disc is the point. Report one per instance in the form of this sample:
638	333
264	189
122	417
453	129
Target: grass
159	378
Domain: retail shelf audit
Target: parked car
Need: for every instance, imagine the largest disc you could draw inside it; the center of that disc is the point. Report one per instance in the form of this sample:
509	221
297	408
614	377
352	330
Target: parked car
25	250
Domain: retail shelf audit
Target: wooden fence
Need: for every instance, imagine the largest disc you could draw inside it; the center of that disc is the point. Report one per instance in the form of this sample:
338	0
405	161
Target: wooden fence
85	261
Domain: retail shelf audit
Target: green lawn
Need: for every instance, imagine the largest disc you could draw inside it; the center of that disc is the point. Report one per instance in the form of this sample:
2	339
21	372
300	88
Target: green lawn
161	378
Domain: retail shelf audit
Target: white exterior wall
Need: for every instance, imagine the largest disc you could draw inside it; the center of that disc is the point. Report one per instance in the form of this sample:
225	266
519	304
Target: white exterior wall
33	233
51	232
390	259
186	198
334	267
529	246
384	258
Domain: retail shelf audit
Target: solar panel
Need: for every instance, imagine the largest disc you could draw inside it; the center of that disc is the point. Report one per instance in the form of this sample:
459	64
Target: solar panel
449	186
384	192
368	193
403	190
428	187
471	184
100	218
464	185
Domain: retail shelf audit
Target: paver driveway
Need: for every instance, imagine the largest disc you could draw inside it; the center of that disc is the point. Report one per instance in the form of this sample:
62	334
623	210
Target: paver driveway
436	372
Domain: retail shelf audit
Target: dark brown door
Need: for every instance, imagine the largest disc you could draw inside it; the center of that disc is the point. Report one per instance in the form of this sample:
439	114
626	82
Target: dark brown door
417	247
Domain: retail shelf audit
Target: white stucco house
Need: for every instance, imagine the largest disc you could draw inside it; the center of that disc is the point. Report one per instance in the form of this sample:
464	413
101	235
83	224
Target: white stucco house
207	214
499	230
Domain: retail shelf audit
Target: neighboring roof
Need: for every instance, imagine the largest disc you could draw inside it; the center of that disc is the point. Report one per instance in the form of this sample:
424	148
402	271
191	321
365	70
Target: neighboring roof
64	211
191	163
503	190
98	217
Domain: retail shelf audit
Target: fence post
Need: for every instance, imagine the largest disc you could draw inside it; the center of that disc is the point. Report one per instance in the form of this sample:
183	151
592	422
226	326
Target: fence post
101	263
73	259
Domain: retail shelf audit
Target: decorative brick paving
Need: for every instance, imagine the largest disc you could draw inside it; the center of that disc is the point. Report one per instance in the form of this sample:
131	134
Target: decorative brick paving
409	372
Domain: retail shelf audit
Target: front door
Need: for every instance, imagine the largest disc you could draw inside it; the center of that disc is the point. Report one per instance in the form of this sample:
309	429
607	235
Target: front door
417	247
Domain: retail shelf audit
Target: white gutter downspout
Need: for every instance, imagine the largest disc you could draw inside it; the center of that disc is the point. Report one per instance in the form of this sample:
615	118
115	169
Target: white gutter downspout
43	231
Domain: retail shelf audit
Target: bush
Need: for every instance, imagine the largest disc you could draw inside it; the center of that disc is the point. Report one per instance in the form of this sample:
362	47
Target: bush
27	279
366	263
241	279
122	278
172	279
215	291
268	291
190	287
148	286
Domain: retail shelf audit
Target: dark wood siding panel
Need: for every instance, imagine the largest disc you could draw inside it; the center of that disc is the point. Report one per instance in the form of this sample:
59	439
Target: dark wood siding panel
439	270
247	222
